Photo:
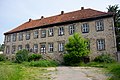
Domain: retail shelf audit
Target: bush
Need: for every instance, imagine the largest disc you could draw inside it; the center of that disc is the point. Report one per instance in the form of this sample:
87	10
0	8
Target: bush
72	59
34	57
104	58
43	63
2	57
21	55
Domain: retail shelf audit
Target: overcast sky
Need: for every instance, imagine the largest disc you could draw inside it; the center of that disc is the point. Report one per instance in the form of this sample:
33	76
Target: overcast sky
15	12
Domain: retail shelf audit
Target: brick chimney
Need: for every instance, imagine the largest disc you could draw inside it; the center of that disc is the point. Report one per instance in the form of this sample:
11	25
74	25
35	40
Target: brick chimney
30	20
62	12
42	17
82	8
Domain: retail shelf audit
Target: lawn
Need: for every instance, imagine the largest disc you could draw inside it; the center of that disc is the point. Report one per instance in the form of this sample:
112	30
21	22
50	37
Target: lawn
13	71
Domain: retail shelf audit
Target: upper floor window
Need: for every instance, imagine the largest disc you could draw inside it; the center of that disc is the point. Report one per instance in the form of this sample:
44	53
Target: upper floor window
8	38
27	35
71	29
35	48
14	36
36	34
50	32
20	36
50	47
61	31
100	44
85	28
43	48
99	25
43	33
27	47
13	49
19	47
61	46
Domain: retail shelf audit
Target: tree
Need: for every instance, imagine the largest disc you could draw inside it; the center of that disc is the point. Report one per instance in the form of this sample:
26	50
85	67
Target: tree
2	47
76	48
115	9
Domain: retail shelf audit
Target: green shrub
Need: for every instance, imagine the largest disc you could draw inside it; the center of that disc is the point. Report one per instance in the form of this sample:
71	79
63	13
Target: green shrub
104	58
21	55
2	57
43	63
34	57
72	59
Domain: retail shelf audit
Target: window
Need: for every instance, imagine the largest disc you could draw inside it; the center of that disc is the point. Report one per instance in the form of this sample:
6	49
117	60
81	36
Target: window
61	46
8	38
14	35
7	49
50	47
27	47
85	28
43	48
27	35
36	34
20	36
13	49
99	25
43	33
71	29
19	47
50	32
101	44
61	31
35	48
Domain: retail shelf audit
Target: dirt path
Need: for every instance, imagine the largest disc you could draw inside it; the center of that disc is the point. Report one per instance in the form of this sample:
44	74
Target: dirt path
78	73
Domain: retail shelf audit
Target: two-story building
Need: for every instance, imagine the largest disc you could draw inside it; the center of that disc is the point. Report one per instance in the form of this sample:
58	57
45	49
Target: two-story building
47	36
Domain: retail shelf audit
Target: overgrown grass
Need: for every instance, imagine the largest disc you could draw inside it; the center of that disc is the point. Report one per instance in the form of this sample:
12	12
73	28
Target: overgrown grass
44	63
14	71
10	72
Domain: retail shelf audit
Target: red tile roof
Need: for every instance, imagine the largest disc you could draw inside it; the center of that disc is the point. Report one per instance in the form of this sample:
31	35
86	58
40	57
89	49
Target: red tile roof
65	17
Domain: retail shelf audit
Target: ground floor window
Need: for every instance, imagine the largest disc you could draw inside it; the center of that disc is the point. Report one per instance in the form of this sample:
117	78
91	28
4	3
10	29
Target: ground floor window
35	48
43	48
100	44
19	47
61	46
13	49
27	47
7	49
50	47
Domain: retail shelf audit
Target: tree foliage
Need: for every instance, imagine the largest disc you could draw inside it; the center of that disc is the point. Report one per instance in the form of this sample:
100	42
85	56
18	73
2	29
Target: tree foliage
77	47
115	9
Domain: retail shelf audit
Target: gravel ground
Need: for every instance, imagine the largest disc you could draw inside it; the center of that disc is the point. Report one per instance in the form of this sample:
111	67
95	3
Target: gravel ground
77	73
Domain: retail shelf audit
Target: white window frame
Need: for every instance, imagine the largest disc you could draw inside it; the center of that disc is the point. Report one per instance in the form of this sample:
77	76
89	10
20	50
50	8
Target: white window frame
99	25
27	47
50	32
35	48
43	48
60	46
100	44
61	31
43	33
13	49
85	28
20	36
19	47
50	47
36	34
14	36
71	29
27	35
